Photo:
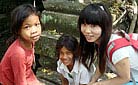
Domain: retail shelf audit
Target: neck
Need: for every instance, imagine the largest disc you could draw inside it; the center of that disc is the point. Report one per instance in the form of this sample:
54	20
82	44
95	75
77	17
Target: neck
70	67
98	42
26	44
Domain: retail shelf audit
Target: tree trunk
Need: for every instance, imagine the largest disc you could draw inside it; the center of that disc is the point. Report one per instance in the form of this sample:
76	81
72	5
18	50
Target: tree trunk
67	7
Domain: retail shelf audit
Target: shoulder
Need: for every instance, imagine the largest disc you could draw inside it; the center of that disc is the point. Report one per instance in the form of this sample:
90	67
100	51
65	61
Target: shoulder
16	47
114	52
15	50
114	37
124	52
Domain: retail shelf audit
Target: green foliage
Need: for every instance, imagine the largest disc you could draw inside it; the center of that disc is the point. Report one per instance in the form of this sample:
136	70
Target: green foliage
46	18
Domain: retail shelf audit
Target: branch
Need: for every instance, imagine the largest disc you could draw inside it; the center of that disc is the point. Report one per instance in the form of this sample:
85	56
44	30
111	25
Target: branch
133	23
123	14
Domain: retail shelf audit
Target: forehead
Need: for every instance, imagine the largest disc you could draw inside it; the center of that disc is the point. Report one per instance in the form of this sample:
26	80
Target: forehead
31	19
64	49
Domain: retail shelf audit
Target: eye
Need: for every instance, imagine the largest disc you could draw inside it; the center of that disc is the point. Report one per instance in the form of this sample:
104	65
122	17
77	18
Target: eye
27	27
92	25
83	24
37	24
69	53
61	53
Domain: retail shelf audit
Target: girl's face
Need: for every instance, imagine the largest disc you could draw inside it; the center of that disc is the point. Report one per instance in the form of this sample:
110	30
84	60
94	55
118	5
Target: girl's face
66	57
92	33
31	29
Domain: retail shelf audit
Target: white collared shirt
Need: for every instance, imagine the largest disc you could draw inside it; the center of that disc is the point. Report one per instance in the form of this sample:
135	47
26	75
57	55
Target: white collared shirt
78	75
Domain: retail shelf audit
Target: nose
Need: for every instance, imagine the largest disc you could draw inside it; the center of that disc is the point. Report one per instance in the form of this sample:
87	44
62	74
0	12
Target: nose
88	30
34	29
63	56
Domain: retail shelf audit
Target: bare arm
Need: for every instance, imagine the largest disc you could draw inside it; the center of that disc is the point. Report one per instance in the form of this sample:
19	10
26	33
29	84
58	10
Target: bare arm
96	76
83	84
123	76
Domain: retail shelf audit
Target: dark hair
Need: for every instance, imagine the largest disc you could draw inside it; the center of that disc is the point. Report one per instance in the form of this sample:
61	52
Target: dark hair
95	14
70	43
18	15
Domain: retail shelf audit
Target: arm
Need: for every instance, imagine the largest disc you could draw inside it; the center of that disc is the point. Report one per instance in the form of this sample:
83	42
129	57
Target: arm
64	80
123	71
19	69
18	63
96	76
83	84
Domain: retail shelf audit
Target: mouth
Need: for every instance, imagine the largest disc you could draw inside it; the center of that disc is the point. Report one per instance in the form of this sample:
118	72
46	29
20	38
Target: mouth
89	36
65	61
36	37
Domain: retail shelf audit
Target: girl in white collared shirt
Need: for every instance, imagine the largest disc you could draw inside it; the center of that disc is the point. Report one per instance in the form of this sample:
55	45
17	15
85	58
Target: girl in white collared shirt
72	71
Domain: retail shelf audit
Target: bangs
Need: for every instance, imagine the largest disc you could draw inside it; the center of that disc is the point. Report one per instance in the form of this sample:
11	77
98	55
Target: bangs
90	18
69	42
69	45
95	16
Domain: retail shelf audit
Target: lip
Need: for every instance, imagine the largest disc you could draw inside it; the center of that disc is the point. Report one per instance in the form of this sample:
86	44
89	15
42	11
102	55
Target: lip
65	61
89	36
35	37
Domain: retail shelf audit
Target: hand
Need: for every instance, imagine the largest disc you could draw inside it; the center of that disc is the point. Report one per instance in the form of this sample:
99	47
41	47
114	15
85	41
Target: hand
42	83
96	83
91	83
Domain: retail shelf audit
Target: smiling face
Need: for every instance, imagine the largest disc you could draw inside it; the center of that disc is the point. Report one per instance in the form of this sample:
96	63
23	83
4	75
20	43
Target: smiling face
66	57
92	33
31	29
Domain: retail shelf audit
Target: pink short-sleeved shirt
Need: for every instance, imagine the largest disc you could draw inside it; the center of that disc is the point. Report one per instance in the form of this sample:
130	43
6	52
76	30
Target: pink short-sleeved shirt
15	67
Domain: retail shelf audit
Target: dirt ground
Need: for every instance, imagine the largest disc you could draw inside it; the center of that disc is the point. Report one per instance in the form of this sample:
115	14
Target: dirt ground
49	77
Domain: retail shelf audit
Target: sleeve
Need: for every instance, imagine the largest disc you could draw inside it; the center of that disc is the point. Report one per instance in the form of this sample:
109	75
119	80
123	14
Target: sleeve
19	69
85	76
120	54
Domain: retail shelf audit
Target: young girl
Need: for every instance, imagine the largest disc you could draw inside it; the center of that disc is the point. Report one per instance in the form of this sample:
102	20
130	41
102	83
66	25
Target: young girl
15	67
95	26
72	71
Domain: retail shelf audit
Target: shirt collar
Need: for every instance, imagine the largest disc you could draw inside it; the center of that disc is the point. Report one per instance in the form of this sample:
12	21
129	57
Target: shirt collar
75	67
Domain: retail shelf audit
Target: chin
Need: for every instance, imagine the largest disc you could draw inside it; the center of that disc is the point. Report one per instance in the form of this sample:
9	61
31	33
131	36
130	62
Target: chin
90	41
35	40
66	63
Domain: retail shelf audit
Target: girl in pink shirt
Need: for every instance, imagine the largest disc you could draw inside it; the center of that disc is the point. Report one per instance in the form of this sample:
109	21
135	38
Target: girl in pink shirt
15	67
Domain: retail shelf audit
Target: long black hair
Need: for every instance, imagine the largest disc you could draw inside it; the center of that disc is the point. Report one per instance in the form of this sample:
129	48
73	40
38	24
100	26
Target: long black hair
95	14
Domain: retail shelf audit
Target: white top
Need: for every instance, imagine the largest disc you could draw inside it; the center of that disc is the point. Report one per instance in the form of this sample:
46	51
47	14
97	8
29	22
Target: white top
78	75
122	53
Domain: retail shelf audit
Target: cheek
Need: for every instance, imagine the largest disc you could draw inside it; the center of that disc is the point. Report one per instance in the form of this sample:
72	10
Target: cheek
39	29
82	29
71	57
98	32
24	33
61	56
